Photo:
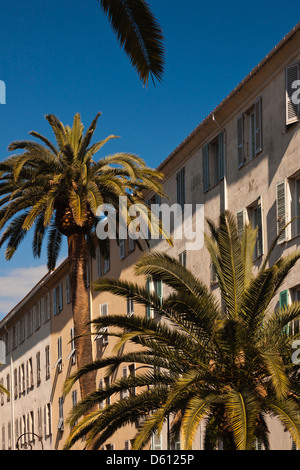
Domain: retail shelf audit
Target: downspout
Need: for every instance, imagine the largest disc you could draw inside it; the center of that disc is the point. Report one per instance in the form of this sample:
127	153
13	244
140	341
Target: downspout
225	162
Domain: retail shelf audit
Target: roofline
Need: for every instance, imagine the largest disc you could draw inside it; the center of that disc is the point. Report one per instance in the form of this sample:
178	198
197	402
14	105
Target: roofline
30	294
223	103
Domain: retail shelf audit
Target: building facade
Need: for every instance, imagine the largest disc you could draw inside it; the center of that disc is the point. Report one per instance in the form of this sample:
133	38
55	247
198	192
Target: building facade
244	157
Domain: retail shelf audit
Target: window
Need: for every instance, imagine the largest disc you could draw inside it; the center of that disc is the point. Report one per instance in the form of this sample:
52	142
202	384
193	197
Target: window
106	264
15	384
131	244
156	442
72	342
213	161
288	207
295	297
8	386
22	330
180	181
46	308
101	387
40	422
47	362
130	307
9	436
107	385
59	355
110	447
294	186
249	133
213	274
67	285
37	314
38	368
30	373
57	298
124	393
176	444
47	420
15	337
154	286
283	303
182	258
22	387
255	218
292	75
127	445
132	374
122	248
60	425
101	334
240	220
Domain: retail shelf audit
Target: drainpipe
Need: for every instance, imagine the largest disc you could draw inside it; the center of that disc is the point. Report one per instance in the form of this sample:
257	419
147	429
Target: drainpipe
225	161
12	397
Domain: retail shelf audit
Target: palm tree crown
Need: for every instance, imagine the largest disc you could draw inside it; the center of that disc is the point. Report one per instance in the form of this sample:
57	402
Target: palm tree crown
226	363
139	34
58	189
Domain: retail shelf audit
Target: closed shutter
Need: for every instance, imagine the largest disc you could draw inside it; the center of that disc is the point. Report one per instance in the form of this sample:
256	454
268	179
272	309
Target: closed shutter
292	108
205	156
60	296
283	303
281	210
240	141
221	155
258	126
148	308
259	241
240	219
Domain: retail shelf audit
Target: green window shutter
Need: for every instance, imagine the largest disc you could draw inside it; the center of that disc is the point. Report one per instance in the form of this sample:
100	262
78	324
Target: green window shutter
221	155
283	298
283	302
148	308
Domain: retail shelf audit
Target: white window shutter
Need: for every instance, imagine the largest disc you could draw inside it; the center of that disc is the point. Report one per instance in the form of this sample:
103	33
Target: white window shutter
240	141
281	210
292	108
221	155
258	125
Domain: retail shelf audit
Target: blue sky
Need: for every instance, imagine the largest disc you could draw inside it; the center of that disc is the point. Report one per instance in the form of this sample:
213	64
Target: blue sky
62	57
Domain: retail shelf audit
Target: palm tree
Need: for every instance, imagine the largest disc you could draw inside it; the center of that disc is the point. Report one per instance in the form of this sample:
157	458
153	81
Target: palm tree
225	363
57	189
139	34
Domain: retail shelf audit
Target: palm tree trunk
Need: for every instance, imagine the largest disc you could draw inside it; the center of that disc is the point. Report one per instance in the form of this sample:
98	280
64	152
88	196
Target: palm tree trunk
77	254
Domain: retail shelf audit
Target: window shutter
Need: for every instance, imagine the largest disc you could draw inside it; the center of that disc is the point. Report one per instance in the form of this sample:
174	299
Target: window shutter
240	141
292	109
259	242
205	156
240	218
221	155
54	301
281	210
148	308
258	125
60	296
283	303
